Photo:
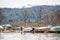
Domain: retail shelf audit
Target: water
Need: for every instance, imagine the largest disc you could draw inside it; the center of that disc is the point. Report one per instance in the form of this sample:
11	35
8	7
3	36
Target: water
29	36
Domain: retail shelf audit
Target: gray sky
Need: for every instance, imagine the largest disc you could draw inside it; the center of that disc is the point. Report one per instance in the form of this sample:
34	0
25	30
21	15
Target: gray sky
27	3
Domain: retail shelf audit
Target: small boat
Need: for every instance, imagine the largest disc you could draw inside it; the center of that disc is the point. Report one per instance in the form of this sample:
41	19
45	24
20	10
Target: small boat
27	29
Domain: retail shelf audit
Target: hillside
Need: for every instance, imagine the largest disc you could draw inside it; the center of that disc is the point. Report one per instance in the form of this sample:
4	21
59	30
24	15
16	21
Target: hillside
46	15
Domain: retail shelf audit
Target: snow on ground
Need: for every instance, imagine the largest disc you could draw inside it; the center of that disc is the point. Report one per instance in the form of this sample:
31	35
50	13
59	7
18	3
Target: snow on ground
29	36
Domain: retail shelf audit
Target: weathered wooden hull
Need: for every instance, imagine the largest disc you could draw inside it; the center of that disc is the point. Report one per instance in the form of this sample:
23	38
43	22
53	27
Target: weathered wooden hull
45	31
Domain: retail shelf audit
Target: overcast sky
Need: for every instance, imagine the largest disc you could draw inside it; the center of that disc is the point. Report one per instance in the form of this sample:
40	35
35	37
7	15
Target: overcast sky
27	3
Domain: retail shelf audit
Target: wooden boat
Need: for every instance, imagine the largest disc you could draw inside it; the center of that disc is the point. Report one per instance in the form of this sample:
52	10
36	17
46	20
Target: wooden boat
50	31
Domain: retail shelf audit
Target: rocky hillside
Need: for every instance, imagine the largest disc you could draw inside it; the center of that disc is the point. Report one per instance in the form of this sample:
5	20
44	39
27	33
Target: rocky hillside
47	15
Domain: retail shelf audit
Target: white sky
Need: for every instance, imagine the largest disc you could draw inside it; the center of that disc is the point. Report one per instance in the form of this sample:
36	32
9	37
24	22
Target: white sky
26	3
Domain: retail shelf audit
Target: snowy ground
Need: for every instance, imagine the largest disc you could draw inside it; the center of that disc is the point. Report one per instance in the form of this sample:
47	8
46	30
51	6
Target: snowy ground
29	36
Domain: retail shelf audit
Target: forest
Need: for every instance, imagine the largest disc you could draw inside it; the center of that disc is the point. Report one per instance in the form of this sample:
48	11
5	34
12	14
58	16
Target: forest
37	15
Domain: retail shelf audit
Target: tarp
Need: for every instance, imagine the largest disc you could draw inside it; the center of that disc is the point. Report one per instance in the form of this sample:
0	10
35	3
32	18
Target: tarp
6	25
1	27
55	28
16	28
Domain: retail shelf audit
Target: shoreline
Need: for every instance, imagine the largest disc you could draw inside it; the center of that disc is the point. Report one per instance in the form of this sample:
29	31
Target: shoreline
33	31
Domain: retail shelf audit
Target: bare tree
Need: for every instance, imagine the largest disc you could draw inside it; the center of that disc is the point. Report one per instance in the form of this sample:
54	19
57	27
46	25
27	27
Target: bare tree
0	17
